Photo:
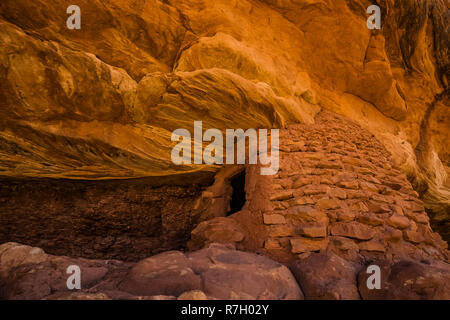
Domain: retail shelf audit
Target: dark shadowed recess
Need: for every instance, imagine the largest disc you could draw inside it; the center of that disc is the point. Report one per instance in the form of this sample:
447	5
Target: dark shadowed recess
238	195
114	219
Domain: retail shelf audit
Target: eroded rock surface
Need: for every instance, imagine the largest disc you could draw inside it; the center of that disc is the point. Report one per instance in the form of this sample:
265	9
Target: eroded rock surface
364	171
217	272
408	280
115	89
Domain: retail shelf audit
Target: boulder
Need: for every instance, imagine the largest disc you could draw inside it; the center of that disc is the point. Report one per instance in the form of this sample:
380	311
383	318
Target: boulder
353	229
169	273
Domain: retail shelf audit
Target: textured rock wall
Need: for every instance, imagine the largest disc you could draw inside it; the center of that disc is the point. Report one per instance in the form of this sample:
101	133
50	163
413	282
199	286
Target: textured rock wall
364	118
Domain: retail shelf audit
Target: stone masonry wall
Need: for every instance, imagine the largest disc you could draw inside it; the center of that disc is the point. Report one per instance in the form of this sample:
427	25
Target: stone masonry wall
336	190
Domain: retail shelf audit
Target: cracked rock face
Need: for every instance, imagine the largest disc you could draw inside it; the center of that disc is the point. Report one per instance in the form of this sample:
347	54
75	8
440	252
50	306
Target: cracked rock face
364	118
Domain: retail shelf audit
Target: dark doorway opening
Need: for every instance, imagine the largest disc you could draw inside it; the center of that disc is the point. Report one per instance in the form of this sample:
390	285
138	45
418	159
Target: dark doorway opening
238	195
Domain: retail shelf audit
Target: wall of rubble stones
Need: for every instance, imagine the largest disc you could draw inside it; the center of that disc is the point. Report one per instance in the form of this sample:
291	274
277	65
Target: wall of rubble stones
337	189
